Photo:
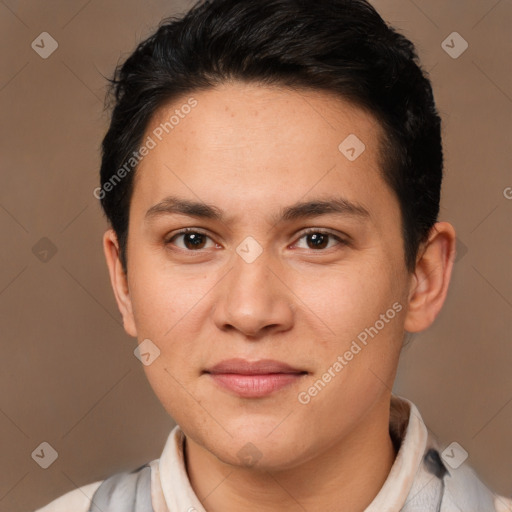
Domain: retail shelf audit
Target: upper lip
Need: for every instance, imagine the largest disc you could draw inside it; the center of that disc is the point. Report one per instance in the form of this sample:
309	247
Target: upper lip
260	367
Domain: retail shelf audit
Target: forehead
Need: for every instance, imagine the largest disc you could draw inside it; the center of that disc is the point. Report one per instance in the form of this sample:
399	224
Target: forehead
239	115
255	142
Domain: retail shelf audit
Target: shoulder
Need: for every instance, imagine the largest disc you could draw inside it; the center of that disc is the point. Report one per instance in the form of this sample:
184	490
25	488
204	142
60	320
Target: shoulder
78	500
465	491
120	491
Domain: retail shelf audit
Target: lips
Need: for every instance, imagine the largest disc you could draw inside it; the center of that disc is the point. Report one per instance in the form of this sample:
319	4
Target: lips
254	379
261	367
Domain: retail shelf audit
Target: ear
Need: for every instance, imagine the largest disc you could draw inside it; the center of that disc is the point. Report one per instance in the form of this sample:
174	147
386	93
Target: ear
119	281
429	283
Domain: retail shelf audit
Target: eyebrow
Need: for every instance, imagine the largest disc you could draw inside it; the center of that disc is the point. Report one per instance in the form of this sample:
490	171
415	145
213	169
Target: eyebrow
300	210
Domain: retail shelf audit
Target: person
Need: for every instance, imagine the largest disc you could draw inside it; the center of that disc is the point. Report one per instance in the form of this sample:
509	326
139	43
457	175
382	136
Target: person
271	177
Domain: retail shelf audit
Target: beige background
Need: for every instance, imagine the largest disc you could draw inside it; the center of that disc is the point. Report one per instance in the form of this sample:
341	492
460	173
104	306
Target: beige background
69	376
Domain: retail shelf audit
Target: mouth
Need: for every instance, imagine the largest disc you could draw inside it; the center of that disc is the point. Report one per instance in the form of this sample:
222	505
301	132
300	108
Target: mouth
254	379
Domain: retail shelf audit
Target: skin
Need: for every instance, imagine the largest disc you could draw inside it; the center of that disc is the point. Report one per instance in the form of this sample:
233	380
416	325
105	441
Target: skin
252	150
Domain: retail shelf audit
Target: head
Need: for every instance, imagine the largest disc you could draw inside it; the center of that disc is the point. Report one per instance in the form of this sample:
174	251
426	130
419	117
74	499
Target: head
300	145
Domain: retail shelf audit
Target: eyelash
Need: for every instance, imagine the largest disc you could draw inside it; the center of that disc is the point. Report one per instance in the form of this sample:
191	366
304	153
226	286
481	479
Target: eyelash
308	231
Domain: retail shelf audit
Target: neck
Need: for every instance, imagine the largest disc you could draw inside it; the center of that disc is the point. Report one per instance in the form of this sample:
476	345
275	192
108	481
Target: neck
351	471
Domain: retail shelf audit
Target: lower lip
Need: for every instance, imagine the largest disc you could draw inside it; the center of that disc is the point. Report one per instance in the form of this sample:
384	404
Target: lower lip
255	386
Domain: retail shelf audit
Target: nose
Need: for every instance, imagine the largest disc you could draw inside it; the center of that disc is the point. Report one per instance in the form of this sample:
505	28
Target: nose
253	299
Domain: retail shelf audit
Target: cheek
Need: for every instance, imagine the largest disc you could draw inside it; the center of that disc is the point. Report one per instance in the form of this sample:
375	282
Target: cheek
171	391
362	314
348	299
164	299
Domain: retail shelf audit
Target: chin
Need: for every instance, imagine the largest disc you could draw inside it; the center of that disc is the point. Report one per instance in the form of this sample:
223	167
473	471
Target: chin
252	447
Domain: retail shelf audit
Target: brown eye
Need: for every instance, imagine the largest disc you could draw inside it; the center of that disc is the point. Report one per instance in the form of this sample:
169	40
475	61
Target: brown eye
191	240
318	240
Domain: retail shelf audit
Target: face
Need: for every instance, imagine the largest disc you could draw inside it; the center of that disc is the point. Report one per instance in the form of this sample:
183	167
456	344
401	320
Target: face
263	273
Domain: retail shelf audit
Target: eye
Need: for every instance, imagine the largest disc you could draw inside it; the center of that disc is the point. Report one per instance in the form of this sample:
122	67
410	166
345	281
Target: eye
318	239
196	240
192	239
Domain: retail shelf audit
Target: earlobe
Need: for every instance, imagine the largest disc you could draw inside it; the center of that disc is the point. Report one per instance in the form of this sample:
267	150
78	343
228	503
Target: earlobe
119	281
429	284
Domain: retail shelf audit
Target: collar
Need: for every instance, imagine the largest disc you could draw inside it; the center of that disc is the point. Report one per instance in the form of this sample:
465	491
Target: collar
407	430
